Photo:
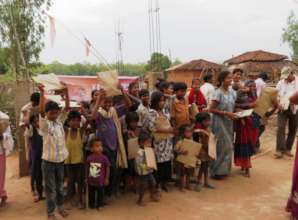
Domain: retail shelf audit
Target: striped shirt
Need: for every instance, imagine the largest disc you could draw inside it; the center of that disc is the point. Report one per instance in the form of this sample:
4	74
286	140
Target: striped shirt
54	149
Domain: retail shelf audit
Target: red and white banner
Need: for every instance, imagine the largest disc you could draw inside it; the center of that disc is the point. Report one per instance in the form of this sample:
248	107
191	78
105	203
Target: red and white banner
80	87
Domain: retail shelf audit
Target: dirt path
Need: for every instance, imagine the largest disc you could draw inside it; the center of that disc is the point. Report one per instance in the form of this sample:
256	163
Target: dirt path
263	196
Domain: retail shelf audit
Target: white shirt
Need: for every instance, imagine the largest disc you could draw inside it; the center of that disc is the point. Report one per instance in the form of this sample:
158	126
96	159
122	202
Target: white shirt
286	90
207	89
260	84
143	113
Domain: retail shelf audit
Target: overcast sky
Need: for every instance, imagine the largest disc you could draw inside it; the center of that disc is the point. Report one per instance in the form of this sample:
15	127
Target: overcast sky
190	29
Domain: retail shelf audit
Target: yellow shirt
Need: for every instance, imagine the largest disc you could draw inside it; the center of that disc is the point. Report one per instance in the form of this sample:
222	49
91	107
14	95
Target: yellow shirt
180	112
75	148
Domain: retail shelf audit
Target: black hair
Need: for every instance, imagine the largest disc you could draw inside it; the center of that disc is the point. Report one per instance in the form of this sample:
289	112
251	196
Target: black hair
32	118
208	77
183	128
131	117
263	76
93	92
73	114
222	76
35	97
155	99
131	85
85	104
163	86
237	70
143	92
202	116
144	136
194	79
158	82
51	105
179	86
93	141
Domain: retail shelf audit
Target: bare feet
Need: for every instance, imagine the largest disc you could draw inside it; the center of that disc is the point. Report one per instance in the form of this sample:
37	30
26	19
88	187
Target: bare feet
208	186
52	217
278	155
288	153
154	198
3	201
63	213
141	203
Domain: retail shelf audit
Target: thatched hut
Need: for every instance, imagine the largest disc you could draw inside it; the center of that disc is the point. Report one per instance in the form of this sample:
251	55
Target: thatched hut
194	69
254	62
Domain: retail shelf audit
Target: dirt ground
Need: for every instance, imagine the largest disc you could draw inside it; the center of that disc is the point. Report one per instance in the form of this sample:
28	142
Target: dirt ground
263	196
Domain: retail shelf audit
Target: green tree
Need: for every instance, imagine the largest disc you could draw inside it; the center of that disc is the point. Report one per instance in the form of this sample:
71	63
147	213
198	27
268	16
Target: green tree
21	31
158	63
290	34
4	61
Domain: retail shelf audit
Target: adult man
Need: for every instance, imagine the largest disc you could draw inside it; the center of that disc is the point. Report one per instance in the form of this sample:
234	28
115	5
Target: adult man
207	88
261	82
287	86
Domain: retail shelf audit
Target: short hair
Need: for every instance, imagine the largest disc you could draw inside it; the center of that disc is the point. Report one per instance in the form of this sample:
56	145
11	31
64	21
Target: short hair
132	84
179	86
35	97
144	136
73	114
131	117
51	105
163	86
263	76
202	116
183	128
85	104
155	99
237	70
207	77
143	92
93	141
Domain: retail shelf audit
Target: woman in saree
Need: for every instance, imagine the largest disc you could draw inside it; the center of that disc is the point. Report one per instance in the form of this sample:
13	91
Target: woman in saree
222	107
246	132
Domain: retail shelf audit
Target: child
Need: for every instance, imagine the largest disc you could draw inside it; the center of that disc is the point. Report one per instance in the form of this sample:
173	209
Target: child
145	174
184	172
133	131
33	134
143	109
201	135
74	162
54	152
180	108
98	167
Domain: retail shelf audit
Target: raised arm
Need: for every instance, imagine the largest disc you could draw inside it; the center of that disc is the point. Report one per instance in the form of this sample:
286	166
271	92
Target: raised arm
67	101
41	101
97	103
127	100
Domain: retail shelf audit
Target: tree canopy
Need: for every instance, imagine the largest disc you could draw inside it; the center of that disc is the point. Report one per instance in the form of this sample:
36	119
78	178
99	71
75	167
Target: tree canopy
290	35
158	63
21	32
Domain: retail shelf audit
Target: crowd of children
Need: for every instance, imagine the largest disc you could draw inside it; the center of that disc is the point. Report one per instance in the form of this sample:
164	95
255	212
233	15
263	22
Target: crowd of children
83	156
